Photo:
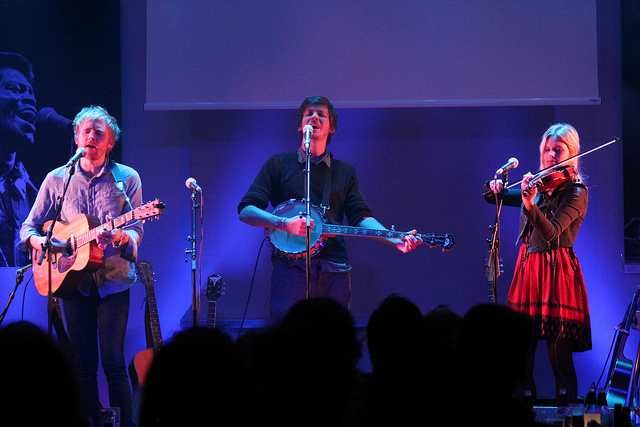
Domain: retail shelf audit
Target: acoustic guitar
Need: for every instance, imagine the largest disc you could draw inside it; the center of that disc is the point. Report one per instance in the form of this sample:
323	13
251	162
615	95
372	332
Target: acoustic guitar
83	253
621	369
289	246
141	362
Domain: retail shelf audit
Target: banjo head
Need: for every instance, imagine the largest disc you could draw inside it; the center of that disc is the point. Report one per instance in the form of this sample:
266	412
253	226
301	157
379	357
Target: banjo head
290	246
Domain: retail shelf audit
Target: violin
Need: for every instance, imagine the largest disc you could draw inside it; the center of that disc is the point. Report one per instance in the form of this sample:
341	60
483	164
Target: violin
550	179
553	176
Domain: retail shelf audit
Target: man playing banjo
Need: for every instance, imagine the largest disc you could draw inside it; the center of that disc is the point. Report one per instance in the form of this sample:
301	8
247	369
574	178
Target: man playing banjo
335	193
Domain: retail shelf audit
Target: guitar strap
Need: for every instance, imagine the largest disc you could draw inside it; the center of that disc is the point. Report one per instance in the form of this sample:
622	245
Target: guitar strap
119	176
115	171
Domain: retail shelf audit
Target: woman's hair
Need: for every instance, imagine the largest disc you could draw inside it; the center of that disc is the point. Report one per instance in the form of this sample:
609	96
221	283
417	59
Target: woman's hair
566	134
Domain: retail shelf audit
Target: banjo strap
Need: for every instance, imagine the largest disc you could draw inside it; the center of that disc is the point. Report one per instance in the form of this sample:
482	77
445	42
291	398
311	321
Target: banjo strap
326	192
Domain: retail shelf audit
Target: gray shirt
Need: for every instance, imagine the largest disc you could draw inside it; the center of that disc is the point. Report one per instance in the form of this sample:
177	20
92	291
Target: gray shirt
99	196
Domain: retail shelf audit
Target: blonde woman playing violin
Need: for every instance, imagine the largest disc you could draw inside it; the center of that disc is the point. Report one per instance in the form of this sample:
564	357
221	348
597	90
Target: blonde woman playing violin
547	283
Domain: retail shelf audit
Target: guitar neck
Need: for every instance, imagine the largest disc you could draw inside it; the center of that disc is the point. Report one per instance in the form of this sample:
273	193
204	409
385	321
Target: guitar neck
117	222
493	268
154	321
211	314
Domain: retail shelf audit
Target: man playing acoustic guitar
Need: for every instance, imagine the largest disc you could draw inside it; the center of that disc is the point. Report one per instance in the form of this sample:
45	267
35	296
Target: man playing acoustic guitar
99	301
333	183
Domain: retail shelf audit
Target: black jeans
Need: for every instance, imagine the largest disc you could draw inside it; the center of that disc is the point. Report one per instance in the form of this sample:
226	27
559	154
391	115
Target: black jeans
92	319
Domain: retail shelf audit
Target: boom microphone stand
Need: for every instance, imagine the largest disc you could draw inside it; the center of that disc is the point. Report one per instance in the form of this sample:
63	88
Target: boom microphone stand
47	246
19	279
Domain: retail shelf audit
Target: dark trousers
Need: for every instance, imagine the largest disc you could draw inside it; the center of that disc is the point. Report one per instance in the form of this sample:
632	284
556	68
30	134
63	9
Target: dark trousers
92	320
289	283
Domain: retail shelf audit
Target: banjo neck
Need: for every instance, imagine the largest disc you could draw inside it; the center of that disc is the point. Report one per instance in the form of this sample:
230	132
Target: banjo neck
347	230
445	240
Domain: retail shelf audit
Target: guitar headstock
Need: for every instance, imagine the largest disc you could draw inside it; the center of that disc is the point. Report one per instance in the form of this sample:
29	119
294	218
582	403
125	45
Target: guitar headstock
145	271
149	210
444	240
214	287
491	269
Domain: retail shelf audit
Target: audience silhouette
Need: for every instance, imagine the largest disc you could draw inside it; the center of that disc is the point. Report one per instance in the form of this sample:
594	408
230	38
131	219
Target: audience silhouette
441	328
305	365
438	369
491	355
38	386
198	379
393	394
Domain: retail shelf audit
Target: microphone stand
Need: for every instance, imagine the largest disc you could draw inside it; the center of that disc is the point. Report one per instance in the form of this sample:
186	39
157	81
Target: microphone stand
193	252
19	279
307	207
47	249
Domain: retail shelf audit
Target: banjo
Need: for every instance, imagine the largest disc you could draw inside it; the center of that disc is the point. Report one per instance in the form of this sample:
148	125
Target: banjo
291	246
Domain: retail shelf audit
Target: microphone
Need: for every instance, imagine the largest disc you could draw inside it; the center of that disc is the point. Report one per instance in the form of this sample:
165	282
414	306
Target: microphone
306	130
21	271
80	153
193	185
511	164
47	117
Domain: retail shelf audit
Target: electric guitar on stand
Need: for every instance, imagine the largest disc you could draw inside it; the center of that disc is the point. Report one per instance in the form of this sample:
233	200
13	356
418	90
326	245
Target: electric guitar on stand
141	363
213	292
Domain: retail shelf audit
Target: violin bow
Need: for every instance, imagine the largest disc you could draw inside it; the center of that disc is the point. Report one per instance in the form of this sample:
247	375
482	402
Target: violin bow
584	153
